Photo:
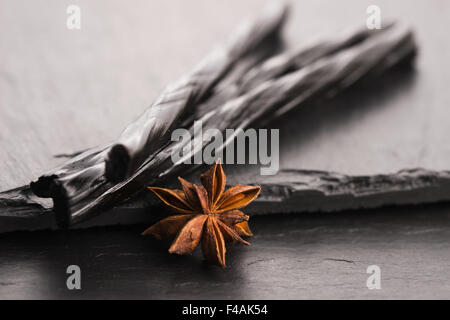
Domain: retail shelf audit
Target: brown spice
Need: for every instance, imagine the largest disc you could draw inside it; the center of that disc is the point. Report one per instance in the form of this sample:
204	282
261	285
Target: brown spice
207	213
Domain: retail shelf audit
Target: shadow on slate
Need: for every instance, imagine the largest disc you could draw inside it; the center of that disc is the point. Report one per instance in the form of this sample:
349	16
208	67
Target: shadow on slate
307	256
303	124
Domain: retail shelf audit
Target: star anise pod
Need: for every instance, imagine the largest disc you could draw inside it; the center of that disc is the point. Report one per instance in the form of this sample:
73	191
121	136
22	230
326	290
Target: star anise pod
207	213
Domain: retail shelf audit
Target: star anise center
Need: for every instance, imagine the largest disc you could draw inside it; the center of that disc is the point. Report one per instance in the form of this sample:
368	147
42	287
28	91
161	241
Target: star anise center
206	214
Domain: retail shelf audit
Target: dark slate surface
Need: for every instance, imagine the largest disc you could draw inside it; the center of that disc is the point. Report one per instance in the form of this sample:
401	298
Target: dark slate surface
291	257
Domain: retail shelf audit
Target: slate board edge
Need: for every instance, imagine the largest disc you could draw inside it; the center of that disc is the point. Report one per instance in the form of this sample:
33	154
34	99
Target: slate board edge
290	191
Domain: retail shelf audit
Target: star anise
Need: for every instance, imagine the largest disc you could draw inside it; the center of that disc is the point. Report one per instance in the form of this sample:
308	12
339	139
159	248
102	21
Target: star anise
207	213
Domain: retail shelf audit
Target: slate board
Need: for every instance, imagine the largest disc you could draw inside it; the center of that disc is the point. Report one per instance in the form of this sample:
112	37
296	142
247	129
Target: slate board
58	84
63	91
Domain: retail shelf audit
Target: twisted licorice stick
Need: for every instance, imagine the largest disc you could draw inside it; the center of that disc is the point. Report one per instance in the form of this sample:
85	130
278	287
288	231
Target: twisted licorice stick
176	106
75	184
266	102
